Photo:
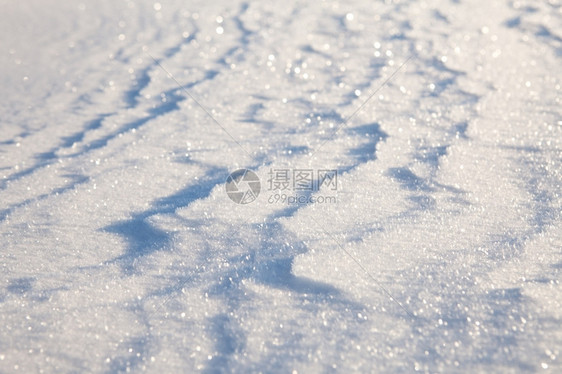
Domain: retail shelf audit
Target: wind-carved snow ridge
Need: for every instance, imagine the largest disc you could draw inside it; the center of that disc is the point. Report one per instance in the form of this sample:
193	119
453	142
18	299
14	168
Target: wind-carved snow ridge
122	251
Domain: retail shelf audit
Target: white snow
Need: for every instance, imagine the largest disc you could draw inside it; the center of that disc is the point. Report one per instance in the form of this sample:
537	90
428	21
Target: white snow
121	251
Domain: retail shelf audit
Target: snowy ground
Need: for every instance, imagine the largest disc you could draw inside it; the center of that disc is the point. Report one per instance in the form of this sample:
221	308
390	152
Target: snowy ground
120	249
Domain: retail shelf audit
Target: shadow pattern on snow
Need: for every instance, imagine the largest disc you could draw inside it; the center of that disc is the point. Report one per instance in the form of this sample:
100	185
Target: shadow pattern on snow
75	181
271	264
142	237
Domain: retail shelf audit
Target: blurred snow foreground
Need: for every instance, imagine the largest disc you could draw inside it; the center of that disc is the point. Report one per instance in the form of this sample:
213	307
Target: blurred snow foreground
394	203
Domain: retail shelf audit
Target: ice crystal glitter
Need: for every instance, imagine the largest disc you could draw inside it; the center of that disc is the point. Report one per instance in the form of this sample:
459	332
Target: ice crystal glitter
123	251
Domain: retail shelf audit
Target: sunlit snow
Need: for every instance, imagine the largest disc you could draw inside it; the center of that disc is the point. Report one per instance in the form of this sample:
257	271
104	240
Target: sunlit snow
406	214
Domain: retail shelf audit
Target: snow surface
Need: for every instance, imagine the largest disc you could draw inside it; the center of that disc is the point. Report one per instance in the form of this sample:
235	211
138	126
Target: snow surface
120	250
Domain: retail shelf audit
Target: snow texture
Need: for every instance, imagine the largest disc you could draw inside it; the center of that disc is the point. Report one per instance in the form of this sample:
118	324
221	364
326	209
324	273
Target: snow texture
121	250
